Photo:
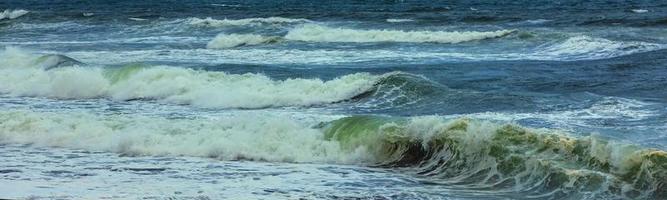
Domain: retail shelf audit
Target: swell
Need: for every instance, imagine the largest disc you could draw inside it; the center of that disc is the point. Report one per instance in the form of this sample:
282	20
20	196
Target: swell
506	158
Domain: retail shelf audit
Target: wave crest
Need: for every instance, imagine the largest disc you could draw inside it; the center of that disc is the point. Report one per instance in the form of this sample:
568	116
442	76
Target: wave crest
210	22
318	33
507	158
235	40
585	47
12	14
174	85
261	137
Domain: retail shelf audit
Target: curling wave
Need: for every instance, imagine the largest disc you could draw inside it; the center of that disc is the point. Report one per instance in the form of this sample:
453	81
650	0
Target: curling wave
506	158
318	33
476	155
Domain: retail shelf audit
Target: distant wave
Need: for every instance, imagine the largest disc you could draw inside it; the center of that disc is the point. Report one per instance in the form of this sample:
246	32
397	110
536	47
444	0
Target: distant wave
399	20
318	33
586	48
210	22
12	14
137	19
235	40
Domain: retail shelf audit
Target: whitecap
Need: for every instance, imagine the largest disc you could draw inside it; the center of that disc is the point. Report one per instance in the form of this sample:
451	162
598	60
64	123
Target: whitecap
12	14
234	40
318	33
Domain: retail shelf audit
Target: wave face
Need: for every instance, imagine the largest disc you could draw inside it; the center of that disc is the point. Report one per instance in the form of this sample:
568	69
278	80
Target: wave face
210	22
235	40
12	14
506	158
318	33
173	85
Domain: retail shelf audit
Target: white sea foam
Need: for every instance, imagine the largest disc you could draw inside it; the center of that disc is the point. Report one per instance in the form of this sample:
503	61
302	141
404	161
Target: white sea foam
639	10
585	47
24	77
137	19
399	20
234	40
210	22
266	137
12	14
319	33
577	48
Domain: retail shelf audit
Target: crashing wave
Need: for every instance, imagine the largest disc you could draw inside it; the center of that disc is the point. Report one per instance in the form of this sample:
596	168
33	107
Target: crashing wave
476	155
210	22
262	137
12	14
506	158
318	33
173	85
235	40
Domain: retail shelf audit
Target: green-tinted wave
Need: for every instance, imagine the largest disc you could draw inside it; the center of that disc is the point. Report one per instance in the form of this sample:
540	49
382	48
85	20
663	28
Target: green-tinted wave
484	155
122	73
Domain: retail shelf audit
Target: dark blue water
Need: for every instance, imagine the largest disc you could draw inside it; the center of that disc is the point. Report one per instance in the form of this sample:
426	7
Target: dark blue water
579	70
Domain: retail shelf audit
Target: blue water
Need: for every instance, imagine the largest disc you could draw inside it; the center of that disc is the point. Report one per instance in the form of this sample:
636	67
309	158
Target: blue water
250	84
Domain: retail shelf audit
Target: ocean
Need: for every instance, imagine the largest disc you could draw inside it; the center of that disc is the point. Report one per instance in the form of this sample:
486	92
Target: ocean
393	99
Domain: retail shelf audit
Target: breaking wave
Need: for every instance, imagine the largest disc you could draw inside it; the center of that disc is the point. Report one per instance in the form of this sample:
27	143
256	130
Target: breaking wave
471	154
235	40
506	158
12	14
26	75
210	22
62	77
262	137
585	47
318	33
